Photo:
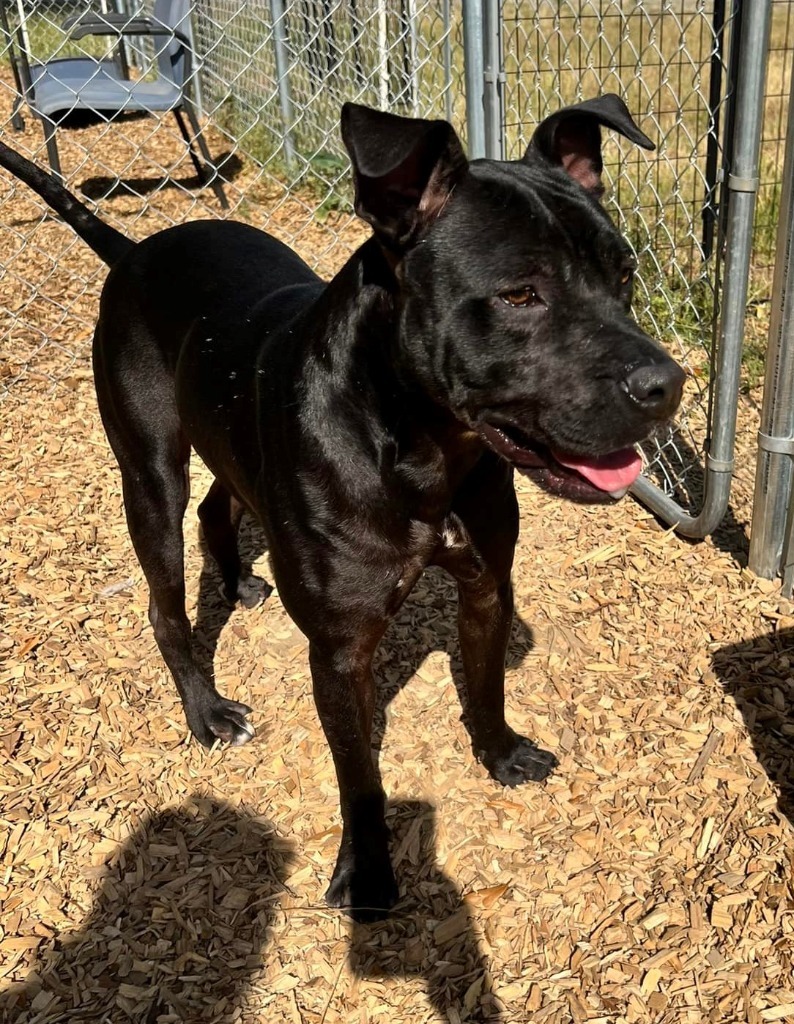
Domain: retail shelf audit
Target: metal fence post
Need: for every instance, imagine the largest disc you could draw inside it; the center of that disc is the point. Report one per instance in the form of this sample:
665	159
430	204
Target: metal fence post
447	60
282	73
413	74
198	59
773	476
712	168
742	185
383	56
473	69
493	80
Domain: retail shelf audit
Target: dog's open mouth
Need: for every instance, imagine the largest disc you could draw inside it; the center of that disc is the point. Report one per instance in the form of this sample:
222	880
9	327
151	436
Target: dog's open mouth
591	479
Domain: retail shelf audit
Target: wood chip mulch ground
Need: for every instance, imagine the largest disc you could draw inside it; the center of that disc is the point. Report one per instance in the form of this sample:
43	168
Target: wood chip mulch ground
144	879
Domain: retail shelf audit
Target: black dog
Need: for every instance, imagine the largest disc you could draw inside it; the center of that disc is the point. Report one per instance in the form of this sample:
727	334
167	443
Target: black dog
372	424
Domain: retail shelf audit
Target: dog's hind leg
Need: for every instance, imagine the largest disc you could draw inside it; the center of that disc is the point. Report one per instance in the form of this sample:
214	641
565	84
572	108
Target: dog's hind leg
220	514
153	456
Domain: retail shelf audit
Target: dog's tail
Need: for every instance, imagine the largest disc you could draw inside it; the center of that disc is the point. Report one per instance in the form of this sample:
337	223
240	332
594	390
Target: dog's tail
110	245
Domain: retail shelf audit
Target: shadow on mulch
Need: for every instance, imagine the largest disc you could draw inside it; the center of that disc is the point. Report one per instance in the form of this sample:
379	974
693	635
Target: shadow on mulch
759	674
213	611
178	927
101	187
426	622
184	913
430	935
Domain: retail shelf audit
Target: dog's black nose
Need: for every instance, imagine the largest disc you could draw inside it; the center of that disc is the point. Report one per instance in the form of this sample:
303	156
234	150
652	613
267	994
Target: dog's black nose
656	388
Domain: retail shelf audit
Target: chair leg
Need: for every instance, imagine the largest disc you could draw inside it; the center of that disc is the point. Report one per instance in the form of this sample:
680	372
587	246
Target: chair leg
214	179
201	171
17	121
52	147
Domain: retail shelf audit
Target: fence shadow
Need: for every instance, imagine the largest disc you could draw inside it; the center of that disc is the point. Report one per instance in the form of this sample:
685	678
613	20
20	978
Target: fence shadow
759	674
179	924
430	934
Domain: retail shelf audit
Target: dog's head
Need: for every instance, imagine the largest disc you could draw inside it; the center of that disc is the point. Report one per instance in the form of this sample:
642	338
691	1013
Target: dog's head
514	288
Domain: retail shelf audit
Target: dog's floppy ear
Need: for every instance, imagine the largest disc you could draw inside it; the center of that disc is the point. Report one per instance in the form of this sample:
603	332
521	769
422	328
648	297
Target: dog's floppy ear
404	170
571	138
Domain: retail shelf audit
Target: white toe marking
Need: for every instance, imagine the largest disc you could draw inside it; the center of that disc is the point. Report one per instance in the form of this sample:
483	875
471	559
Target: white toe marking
245	736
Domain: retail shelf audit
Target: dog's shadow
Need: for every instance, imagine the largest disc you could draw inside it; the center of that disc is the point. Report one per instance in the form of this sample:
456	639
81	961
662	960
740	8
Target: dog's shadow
183	913
758	673
213	611
426	622
430	934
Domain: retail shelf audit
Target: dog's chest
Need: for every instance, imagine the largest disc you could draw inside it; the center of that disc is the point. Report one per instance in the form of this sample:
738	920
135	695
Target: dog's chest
447	545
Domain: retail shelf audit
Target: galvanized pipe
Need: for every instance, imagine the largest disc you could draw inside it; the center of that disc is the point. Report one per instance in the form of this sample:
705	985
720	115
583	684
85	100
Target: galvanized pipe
383	56
473	76
412	50
282	75
493	80
742	184
447	60
773	475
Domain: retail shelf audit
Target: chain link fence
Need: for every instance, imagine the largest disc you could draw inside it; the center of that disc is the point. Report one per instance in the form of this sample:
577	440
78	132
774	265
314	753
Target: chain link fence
268	82
672	63
269	77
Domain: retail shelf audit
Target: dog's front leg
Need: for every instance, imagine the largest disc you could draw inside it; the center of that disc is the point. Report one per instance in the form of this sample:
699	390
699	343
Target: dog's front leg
481	538
363	879
485	615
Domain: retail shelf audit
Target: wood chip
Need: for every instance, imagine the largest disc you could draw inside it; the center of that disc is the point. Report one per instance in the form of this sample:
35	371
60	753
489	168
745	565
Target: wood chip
709	747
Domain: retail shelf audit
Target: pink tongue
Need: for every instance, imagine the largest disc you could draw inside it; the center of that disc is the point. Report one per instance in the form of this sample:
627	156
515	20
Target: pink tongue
611	472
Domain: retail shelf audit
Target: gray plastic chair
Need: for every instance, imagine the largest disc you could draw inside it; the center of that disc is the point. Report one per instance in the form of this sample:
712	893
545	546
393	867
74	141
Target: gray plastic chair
58	87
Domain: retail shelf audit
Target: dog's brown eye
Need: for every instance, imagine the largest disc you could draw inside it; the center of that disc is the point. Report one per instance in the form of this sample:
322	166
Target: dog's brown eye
627	275
520	297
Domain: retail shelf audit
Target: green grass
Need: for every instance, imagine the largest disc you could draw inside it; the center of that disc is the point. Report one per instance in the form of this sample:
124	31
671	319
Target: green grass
48	40
348	67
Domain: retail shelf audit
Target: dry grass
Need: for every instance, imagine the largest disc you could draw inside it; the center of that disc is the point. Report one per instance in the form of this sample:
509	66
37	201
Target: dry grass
144	879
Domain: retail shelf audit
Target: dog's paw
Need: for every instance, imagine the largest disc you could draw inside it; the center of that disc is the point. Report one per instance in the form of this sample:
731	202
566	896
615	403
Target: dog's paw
251	591
367	894
221	719
524	762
